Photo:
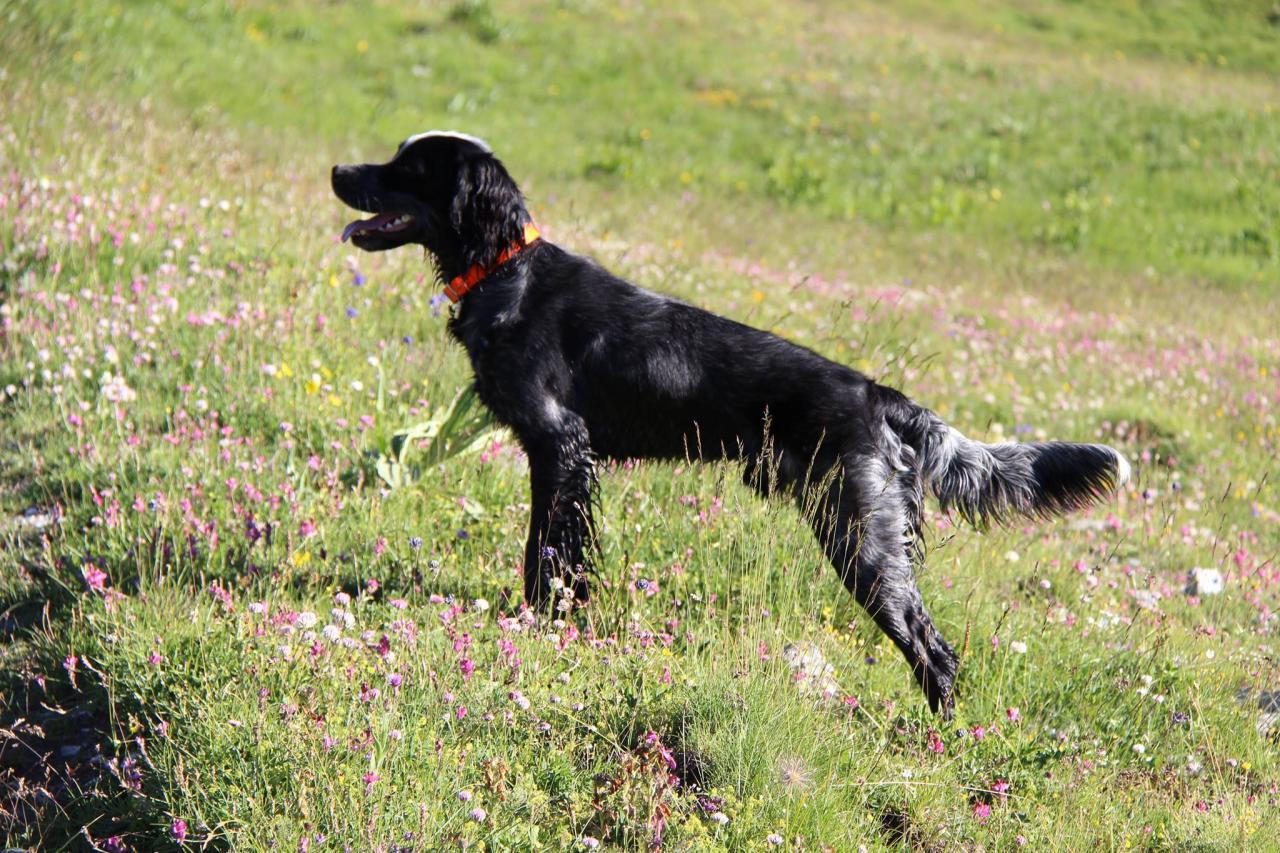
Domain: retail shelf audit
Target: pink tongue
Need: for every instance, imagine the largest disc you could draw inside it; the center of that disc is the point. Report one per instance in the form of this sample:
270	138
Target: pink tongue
367	225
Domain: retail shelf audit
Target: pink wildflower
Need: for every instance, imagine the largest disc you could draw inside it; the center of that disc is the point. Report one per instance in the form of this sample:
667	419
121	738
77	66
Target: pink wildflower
935	743
94	577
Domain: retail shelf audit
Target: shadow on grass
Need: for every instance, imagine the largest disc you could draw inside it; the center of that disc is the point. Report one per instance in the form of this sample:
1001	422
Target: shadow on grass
71	776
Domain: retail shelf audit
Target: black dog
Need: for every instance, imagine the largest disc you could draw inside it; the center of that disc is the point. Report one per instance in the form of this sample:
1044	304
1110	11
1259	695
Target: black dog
582	365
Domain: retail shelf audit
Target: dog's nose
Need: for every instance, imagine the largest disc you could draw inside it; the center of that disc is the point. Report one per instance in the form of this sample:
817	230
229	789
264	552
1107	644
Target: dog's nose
339	173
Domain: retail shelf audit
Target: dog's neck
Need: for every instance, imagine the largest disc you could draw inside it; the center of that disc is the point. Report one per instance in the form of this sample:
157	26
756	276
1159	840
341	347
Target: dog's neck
459	285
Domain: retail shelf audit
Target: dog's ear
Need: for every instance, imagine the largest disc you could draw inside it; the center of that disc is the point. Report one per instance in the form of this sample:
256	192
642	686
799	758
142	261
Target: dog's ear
488	211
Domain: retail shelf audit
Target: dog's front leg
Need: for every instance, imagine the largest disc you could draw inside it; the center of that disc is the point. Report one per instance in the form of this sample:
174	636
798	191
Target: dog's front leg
561	529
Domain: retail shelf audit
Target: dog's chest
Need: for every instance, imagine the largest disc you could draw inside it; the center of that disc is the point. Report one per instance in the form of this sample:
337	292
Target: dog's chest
506	380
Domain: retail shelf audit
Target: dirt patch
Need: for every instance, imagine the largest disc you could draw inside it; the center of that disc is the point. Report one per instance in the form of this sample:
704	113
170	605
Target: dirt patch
900	830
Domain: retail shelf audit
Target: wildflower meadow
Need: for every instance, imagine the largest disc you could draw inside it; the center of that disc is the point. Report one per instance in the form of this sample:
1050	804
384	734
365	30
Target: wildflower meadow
260	548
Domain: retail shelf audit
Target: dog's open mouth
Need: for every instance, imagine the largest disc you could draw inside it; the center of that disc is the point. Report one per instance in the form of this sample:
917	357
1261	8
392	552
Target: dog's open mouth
383	223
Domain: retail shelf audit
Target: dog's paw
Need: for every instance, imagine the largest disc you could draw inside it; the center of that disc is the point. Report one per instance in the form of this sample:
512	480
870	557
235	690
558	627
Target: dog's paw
581	587
937	675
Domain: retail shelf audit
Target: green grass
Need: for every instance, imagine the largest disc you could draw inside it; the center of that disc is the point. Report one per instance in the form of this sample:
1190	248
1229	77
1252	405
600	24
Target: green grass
983	204
852	115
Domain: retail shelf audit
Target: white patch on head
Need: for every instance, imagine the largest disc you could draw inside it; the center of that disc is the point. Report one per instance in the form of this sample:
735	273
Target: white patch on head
446	134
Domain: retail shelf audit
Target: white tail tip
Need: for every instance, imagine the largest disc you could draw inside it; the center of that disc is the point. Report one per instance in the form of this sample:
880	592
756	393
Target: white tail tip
1123	471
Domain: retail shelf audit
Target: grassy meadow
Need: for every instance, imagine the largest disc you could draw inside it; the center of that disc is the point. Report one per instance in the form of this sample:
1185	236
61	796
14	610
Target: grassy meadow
238	612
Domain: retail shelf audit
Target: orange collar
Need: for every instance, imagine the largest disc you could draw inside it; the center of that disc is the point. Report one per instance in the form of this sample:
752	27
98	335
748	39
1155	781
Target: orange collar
461	285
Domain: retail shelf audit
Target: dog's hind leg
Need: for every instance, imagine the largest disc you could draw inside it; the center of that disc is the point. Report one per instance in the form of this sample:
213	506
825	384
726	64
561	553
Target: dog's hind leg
867	523
561	529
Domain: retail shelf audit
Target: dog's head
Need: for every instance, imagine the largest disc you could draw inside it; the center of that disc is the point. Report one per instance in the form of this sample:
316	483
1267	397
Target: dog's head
445	191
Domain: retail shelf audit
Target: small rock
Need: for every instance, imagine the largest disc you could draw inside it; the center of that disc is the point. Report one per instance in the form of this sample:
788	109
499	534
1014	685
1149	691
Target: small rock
813	673
35	518
1147	599
1204	582
1268	702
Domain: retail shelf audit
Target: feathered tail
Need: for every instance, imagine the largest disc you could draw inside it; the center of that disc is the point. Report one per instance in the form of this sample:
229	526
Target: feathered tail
991	482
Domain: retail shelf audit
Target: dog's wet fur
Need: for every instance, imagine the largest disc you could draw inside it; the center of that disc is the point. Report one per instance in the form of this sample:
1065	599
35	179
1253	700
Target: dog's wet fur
584	366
